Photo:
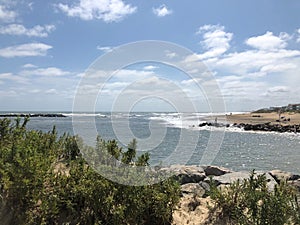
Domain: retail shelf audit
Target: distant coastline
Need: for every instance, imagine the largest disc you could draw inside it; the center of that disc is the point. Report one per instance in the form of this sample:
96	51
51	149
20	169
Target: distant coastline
32	115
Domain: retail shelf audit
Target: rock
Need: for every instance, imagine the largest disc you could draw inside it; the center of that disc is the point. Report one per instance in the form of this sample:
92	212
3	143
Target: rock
193	188
186	174
33	115
281	175
204	185
229	178
295	177
269	127
241	176
215	170
295	183
202	124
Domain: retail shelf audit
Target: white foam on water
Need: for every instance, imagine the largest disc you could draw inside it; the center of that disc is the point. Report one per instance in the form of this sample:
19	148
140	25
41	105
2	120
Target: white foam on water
85	114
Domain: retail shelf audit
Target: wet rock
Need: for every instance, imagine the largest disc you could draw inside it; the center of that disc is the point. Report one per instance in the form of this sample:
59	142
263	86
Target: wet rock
202	124
269	127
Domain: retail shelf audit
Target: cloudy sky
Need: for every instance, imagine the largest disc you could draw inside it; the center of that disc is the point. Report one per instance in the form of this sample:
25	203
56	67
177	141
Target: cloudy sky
252	49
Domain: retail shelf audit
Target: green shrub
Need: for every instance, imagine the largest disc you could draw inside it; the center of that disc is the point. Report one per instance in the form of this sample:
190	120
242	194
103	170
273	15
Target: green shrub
250	202
45	180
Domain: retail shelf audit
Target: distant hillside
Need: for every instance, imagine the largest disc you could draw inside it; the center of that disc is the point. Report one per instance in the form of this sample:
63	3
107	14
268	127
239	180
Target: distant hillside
288	108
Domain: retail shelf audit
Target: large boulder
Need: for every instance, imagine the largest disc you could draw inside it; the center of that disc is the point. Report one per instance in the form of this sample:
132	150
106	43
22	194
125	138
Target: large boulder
215	170
186	174
280	175
241	176
229	177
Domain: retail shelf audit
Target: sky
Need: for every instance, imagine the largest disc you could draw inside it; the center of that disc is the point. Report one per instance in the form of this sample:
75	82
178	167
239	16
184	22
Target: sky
251	49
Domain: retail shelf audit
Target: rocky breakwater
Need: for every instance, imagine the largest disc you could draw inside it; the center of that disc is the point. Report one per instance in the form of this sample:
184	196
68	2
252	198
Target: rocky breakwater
281	128
32	115
195	185
269	127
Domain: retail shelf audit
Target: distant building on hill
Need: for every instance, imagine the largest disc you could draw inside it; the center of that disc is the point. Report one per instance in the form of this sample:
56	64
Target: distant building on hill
293	107
289	107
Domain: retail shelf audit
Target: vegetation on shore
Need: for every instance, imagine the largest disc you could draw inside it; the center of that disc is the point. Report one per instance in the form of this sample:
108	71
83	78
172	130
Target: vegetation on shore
45	180
251	202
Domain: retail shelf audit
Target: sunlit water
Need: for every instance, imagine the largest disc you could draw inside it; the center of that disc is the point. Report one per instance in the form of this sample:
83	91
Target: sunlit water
240	150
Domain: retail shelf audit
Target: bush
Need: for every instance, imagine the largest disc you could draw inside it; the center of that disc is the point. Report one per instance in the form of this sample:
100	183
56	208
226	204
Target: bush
251	203
45	180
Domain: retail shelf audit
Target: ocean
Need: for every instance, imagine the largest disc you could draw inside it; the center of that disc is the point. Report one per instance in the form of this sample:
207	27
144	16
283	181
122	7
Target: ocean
175	138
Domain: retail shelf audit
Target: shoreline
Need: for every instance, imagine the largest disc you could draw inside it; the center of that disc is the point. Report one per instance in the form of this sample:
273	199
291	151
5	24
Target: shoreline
194	182
268	122
287	118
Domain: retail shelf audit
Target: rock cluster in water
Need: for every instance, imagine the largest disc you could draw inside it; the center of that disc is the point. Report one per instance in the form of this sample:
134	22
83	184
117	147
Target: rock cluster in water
32	115
258	127
270	127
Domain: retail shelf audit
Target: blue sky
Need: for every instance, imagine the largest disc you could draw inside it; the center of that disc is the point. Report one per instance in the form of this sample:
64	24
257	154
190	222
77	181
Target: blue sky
251	47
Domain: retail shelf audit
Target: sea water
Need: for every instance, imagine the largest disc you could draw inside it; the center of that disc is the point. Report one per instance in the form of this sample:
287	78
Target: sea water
163	134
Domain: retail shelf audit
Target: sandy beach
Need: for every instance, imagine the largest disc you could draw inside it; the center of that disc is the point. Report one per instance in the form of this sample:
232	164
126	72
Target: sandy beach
288	118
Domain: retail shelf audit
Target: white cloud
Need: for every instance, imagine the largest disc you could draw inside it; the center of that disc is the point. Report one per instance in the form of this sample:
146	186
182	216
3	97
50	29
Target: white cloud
298	39
170	54
34	91
215	40
106	10
251	61
7	15
29	65
268	41
30	5
51	91
150	67
278	67
12	77
105	49
278	89
114	87
131	75
19	29
50	71
248	78
31	49
8	93
162	11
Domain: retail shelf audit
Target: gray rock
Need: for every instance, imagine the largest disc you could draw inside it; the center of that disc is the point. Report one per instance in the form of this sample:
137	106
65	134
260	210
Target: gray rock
204	185
192	188
271	181
241	176
229	177
186	174
281	175
215	170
